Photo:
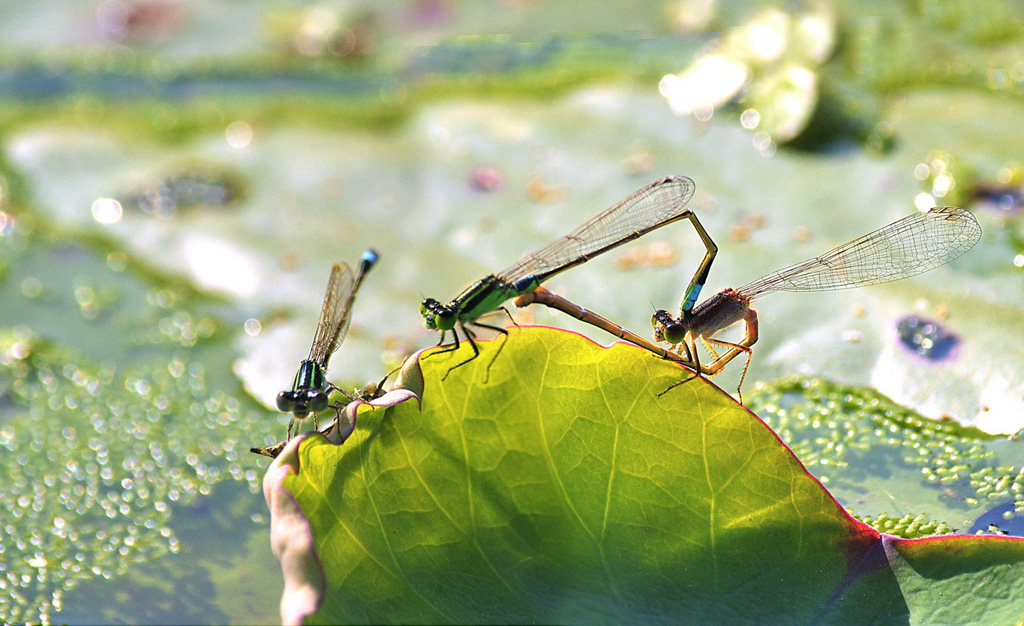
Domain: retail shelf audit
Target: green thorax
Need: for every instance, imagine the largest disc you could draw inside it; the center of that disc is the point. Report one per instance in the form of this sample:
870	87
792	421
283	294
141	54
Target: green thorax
487	295
310	376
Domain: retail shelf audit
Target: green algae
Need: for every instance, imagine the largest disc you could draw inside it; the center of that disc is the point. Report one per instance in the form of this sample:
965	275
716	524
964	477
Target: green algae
103	442
94	495
908	527
96	460
844	433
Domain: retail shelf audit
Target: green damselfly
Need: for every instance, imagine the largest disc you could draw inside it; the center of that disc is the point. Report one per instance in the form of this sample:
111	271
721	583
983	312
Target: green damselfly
310	393
656	205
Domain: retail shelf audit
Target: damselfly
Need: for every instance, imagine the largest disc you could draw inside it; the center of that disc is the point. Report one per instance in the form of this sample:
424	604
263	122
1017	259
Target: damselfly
310	393
654	206
915	244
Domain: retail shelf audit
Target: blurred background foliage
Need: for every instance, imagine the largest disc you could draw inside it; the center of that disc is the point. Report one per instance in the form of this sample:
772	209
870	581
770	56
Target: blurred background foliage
176	179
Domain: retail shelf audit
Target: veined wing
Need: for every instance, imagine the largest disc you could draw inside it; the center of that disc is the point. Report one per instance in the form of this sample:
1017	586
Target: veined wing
334	315
660	203
336	312
907	247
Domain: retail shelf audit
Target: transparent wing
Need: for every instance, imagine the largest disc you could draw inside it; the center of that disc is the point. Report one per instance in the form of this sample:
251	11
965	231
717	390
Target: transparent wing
334	315
907	247
654	206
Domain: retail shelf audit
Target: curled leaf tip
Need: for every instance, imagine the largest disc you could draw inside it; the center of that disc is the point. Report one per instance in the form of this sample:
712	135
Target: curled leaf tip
291	539
346	422
411	376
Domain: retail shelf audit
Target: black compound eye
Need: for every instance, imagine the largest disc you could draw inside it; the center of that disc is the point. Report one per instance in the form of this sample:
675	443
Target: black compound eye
286	401
445	319
317	401
427	311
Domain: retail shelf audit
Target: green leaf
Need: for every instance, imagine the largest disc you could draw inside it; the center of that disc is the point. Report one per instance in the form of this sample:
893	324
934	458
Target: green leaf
550	483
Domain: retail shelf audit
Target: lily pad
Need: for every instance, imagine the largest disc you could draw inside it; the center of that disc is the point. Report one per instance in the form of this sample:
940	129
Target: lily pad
547	481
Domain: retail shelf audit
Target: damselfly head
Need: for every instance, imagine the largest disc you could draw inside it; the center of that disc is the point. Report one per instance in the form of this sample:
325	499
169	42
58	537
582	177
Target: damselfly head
302	402
667	328
437	316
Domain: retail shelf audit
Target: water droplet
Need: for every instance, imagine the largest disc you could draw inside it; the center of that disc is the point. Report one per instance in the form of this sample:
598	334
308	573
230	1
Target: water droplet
750	118
117	261
252	327
239	134
926	338
107	211
32	287
6	223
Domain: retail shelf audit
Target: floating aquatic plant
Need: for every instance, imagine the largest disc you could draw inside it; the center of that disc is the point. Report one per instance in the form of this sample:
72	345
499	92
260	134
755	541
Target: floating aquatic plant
831	427
96	458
